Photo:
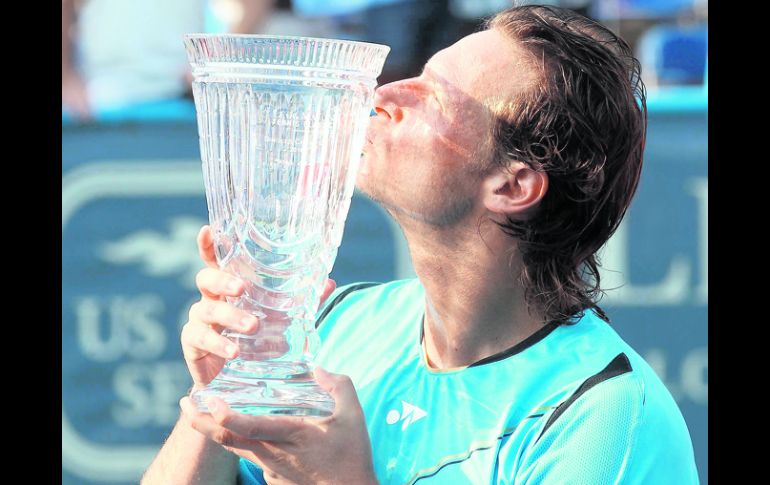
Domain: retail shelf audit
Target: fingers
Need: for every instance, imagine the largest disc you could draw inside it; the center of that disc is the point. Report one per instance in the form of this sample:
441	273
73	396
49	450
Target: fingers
224	425
199	341
215	283
341	389
206	247
214	312
206	425
278	429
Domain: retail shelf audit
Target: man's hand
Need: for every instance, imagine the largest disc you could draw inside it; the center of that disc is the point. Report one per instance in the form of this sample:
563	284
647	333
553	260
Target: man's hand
204	347
297	450
74	97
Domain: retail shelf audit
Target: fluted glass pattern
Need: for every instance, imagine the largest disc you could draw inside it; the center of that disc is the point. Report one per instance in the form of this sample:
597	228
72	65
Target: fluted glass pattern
281	122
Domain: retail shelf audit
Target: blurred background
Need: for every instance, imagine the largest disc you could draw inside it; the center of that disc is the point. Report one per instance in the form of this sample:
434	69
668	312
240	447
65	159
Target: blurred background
133	200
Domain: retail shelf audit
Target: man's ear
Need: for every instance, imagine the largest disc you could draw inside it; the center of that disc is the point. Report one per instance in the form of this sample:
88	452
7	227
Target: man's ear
514	191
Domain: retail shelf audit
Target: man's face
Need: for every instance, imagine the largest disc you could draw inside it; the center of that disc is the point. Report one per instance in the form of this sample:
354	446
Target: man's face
427	147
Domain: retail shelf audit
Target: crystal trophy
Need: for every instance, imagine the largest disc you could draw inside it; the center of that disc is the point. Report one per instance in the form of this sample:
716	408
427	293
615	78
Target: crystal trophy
282	123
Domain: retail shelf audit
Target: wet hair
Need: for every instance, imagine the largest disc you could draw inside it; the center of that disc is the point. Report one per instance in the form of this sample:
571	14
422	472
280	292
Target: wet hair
583	122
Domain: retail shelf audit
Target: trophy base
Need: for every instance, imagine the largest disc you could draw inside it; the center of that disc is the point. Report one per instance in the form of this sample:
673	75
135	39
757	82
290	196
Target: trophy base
256	395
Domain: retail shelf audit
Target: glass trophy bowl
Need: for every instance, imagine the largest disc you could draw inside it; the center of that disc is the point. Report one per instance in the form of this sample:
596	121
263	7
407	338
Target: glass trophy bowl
282	123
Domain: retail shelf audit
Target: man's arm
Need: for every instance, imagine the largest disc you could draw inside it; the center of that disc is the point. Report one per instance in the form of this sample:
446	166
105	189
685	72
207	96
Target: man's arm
73	89
615	432
188	457
255	13
67	20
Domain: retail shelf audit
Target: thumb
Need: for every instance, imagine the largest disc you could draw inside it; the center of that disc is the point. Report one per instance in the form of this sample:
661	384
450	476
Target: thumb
206	250
341	389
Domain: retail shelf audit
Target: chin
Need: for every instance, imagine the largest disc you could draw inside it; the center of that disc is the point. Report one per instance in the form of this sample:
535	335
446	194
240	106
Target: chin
364	185
361	175
365	171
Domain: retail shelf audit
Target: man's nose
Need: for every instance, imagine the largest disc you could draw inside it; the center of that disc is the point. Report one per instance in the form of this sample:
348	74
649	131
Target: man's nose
388	101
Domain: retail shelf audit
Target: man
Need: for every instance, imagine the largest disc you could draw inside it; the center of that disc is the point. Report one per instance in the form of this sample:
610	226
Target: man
508	163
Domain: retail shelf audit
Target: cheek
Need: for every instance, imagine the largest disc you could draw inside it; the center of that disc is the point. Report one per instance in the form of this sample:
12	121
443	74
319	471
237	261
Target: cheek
458	136
420	143
456	144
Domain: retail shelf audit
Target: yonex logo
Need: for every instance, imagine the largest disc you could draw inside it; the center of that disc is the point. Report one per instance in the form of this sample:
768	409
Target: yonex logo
409	414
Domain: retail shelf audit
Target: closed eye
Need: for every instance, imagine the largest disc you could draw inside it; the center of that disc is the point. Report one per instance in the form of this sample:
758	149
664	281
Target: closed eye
436	101
433	86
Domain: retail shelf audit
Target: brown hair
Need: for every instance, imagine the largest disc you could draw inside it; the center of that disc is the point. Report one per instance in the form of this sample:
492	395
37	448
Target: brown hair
584	124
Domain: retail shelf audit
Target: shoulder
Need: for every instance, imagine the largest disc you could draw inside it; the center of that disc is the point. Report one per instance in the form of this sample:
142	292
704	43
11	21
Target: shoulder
609	425
599	357
368	297
635	384
361	325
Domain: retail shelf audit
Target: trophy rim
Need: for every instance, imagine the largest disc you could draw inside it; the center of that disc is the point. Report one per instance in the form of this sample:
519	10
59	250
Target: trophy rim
192	36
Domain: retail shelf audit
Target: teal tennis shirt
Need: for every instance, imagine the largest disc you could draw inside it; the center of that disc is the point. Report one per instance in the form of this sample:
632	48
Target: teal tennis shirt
571	404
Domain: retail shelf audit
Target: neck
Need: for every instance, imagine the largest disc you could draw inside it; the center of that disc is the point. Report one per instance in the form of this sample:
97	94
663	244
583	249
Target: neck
475	305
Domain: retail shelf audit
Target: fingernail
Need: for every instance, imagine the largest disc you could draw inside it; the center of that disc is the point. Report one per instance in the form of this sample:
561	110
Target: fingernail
231	349
233	285
248	322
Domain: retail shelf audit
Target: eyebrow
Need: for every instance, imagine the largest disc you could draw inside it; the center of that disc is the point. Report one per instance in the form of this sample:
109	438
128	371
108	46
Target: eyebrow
425	66
434	80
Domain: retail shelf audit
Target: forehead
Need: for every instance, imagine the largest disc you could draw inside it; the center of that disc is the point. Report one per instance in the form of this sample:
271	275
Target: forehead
485	66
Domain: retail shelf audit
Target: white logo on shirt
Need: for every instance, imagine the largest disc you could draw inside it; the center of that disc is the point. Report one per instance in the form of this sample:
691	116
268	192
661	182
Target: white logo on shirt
409	414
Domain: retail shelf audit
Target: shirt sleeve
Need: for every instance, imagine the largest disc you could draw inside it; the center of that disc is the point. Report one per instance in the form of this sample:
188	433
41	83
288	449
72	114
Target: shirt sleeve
249	473
603	437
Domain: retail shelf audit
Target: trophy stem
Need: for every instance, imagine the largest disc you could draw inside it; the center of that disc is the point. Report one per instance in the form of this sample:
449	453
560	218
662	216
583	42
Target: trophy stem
297	396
